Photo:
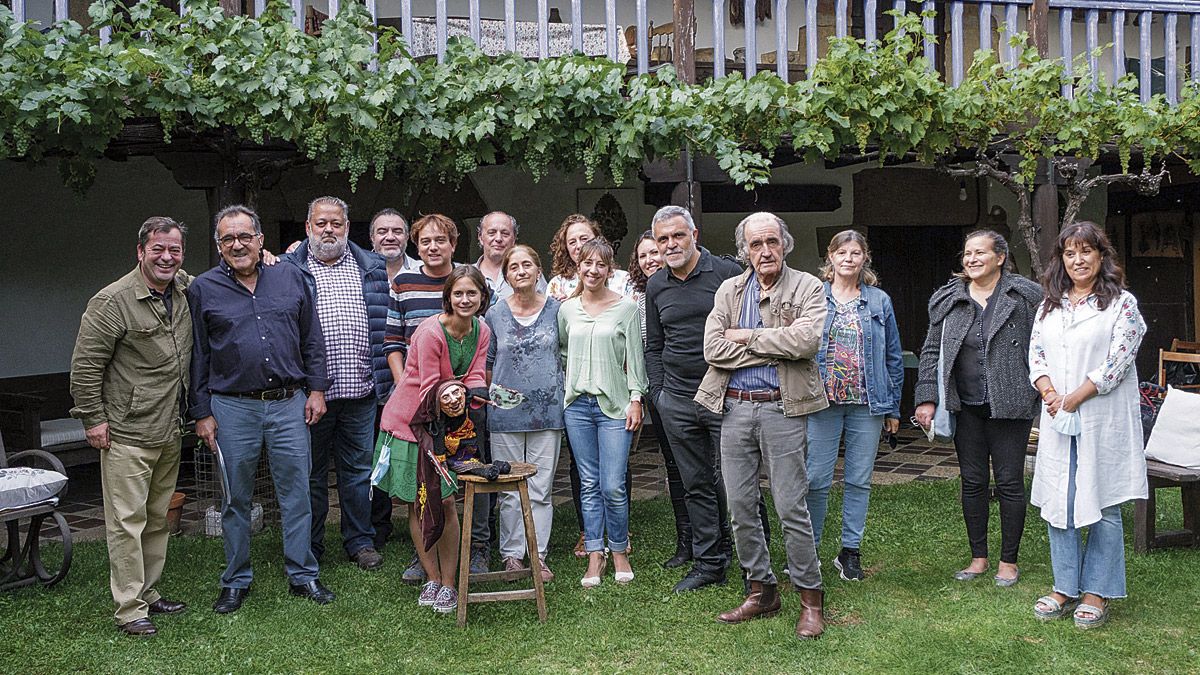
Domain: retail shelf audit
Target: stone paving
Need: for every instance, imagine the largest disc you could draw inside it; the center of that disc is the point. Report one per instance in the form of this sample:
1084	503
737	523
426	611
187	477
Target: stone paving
914	458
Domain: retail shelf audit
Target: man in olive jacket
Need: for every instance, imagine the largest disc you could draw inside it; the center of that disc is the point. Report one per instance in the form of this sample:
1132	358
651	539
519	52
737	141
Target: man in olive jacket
129	378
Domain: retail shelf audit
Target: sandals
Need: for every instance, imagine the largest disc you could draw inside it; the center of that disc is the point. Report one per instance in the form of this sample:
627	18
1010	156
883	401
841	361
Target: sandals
1057	609
1098	615
580	551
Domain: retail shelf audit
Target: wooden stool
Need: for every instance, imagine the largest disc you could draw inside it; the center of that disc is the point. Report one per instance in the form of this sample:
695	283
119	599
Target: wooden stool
517	481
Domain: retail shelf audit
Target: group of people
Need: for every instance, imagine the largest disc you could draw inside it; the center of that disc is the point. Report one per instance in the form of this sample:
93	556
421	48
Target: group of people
386	368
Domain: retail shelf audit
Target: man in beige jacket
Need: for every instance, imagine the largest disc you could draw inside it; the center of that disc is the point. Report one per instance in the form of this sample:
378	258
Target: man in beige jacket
760	342
129	378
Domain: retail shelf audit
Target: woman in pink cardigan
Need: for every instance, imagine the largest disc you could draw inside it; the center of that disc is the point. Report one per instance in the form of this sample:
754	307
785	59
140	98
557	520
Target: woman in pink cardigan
451	345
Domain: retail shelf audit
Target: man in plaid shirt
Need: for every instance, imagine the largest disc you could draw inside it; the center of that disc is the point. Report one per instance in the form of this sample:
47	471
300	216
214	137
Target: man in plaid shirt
351	287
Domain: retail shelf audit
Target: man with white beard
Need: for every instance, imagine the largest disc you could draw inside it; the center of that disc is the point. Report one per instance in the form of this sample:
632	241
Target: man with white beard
351	289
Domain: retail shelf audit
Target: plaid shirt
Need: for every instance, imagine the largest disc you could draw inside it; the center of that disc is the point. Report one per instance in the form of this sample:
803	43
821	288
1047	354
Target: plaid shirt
343	314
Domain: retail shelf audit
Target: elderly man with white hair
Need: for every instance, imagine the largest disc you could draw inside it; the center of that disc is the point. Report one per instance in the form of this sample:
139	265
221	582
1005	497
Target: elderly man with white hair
760	342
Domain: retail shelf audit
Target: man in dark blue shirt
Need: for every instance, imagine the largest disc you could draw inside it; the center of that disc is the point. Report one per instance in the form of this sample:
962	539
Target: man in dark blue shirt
258	346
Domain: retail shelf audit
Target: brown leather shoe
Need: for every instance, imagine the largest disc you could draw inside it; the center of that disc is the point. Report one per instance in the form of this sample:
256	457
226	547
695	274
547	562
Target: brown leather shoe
165	606
761	603
812	614
142	627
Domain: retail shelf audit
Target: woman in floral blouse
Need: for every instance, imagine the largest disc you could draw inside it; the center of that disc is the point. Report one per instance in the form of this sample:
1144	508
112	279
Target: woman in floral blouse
1090	457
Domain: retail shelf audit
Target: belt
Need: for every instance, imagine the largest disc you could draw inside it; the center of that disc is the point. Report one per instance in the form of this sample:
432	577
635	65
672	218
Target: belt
276	394
756	396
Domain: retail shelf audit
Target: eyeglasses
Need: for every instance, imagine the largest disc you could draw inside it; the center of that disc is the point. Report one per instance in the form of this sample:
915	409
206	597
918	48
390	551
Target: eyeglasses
244	239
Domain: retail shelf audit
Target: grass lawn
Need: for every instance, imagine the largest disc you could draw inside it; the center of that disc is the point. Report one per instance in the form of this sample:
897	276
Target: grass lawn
908	616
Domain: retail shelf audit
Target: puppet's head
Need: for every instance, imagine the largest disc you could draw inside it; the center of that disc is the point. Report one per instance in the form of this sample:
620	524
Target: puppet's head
452	398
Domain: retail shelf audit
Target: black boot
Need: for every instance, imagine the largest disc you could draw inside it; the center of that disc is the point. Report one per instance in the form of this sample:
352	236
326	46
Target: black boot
683	550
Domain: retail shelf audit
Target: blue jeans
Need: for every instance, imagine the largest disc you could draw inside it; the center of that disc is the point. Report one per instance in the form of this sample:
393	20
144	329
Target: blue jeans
1097	566
825	430
600	446
243	427
347	434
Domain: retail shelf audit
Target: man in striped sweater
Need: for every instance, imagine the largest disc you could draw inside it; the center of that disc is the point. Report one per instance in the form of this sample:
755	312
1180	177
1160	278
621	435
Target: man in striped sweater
416	295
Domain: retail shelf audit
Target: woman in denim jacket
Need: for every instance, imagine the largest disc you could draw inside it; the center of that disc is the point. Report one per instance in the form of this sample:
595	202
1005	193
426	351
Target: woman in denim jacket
863	371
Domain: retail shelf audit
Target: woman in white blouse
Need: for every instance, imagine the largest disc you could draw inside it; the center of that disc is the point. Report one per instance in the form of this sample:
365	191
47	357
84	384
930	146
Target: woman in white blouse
1090	457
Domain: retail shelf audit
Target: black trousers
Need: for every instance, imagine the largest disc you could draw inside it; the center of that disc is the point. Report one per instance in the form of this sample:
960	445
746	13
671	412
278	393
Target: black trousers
694	433
978	440
683	526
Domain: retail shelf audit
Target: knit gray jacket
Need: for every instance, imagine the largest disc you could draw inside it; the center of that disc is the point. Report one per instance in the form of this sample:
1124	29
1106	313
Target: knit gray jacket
1006	360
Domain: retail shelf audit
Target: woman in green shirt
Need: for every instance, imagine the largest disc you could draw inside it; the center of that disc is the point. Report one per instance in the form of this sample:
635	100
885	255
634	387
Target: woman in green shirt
600	337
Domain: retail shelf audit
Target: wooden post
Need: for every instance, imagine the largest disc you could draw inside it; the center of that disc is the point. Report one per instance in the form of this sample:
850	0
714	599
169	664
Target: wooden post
687	192
232	7
1045	195
1039	27
684	54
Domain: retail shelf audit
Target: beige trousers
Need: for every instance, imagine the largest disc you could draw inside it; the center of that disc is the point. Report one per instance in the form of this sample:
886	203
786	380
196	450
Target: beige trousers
137	483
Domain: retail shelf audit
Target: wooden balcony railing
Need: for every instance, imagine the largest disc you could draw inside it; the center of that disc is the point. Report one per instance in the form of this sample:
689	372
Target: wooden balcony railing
1112	37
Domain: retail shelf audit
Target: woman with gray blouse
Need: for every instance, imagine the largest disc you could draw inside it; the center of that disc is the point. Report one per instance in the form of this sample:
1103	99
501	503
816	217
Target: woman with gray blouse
523	355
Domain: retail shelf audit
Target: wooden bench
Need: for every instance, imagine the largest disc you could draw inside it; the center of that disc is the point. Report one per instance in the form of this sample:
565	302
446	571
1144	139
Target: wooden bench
37	422
1145	510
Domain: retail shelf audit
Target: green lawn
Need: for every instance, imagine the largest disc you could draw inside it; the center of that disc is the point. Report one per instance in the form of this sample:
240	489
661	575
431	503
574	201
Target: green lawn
908	616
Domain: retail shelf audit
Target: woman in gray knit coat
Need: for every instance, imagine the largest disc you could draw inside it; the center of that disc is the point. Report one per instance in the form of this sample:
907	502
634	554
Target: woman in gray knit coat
982	319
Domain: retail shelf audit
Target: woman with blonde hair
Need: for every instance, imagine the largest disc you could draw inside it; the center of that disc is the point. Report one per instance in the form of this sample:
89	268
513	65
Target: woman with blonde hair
863	371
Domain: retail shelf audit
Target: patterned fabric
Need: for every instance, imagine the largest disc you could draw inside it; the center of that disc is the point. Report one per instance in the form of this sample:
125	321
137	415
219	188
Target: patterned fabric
493	42
1122	350
560	288
753	378
415	297
343	315
25	486
525	357
845	381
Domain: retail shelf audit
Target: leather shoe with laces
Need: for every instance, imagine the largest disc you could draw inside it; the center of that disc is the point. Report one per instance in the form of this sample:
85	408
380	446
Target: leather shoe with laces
165	606
699	578
230	600
367	559
142	627
314	591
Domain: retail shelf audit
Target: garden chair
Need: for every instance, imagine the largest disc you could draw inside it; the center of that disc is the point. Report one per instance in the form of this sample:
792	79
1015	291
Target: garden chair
31	495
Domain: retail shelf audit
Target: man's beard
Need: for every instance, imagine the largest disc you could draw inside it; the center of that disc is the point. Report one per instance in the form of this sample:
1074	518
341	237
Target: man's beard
327	251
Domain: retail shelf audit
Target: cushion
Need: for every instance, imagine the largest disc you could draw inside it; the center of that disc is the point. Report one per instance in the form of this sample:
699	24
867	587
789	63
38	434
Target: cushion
1176	435
62	431
24	486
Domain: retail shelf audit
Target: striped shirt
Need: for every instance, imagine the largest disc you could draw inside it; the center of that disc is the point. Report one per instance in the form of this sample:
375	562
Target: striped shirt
342	311
753	378
415	297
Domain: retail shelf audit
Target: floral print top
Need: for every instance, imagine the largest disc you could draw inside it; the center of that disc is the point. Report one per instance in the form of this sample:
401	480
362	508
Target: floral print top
845	381
1123	344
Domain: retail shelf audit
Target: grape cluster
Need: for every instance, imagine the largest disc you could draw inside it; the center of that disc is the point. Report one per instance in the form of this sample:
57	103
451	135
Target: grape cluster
314	139
21	140
257	127
354	162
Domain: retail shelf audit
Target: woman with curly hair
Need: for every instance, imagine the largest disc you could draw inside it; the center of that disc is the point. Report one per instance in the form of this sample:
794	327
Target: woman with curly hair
575	231
1090	458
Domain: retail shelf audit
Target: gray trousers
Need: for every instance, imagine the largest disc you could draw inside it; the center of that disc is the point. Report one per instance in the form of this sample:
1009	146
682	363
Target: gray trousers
754	434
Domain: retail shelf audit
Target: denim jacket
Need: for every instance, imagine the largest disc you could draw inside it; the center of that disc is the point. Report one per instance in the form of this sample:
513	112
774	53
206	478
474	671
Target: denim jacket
884	365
